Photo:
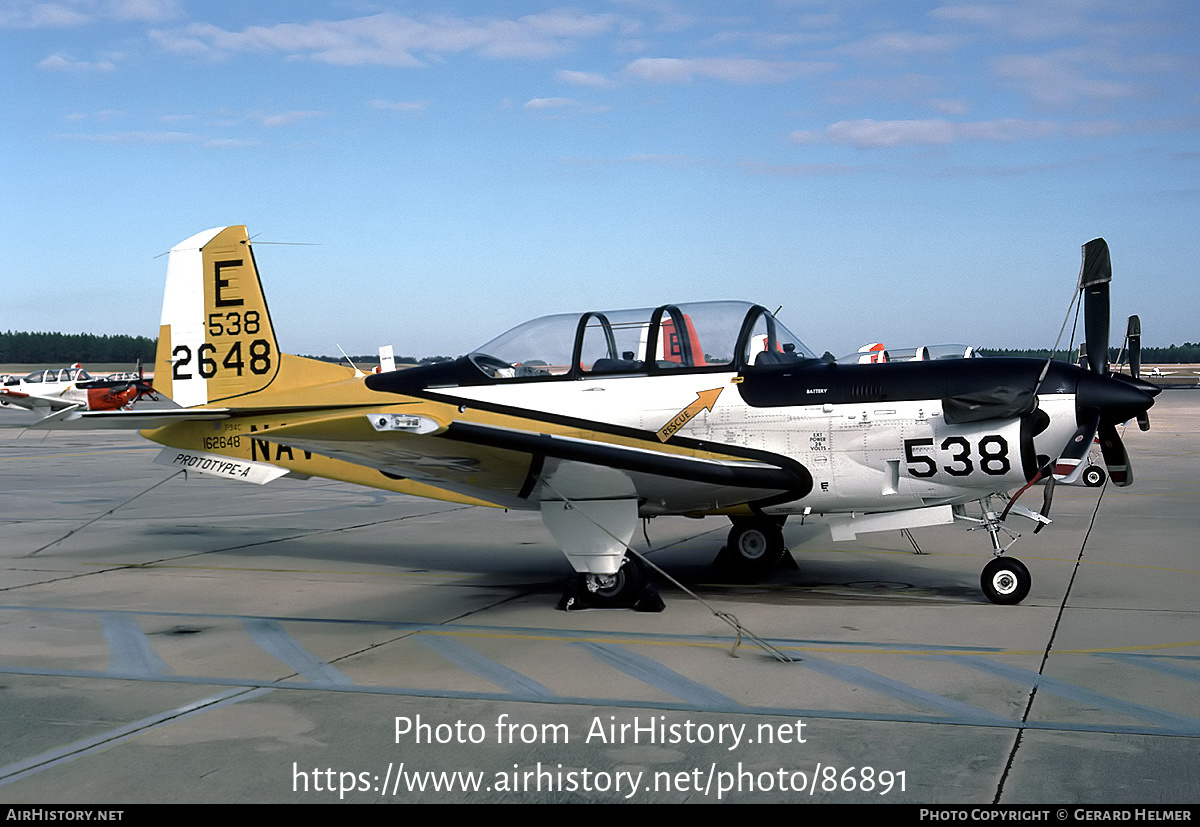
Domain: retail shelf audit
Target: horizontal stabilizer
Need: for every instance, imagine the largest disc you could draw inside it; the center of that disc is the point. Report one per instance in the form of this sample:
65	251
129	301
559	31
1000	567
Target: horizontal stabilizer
79	420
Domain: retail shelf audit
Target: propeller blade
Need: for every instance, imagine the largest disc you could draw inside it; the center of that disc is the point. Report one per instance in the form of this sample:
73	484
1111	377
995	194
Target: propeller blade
1133	339
1115	457
1094	278
1070	461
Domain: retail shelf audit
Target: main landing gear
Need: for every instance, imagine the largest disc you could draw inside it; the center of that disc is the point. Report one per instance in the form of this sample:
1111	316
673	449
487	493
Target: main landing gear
630	588
595	534
754	547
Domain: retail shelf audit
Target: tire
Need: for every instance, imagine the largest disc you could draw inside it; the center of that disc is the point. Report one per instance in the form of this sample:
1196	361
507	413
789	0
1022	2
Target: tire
755	548
615	591
1005	581
1094	477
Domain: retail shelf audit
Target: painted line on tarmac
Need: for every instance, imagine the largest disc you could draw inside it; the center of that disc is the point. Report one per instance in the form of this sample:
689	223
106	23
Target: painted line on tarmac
129	650
623	703
1179	724
464	657
548	633
272	639
32	766
1159	664
652	672
867	679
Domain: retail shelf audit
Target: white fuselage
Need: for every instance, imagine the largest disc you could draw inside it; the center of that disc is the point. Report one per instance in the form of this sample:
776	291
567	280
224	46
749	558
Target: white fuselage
862	457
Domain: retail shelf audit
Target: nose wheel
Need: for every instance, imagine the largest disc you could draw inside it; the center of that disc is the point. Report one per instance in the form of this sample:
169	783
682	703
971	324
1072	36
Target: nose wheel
1005	581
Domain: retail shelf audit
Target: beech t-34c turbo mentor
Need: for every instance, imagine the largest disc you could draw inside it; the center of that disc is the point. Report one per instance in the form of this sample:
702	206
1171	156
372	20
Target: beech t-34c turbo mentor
71	389
601	418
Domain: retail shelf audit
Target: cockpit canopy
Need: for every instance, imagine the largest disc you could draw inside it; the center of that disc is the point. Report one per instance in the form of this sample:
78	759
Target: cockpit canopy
57	375
699	335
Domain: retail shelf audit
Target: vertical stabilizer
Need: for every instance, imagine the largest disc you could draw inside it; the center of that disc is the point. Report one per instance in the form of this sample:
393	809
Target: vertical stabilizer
215	340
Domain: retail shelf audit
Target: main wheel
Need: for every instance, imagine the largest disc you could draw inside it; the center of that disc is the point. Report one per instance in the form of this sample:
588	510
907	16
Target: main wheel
1005	580
620	590
755	547
1093	477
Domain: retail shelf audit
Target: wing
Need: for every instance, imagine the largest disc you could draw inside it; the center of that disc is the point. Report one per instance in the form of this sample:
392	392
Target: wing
519	468
34	402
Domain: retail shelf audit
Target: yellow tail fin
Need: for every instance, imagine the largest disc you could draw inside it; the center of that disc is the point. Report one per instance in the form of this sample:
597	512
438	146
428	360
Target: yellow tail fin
215	341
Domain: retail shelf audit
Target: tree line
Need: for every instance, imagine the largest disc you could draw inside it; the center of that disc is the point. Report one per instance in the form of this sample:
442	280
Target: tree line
1187	353
68	348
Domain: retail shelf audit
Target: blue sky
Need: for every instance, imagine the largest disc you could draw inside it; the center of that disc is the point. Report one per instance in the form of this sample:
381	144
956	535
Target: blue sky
911	172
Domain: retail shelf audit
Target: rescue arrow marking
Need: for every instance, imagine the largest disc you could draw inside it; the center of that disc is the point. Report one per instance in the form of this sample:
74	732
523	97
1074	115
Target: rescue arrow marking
704	399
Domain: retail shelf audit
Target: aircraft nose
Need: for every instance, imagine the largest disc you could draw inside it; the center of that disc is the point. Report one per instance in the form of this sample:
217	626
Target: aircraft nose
1117	398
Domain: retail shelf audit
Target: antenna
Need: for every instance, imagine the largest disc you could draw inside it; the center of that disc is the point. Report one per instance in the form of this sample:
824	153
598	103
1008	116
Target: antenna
358	374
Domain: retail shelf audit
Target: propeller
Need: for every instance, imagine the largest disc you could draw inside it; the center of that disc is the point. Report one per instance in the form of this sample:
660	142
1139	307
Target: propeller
1103	399
1133	347
143	387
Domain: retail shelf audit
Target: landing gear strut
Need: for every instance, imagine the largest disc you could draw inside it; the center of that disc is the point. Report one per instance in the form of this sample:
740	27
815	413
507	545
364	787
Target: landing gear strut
1005	580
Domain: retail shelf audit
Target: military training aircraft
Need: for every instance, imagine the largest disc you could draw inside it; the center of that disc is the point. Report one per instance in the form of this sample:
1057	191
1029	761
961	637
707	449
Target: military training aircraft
601	418
55	390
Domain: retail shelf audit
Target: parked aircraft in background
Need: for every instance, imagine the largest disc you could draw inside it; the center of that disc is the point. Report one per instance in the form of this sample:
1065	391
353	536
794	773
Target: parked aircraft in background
600	418
56	390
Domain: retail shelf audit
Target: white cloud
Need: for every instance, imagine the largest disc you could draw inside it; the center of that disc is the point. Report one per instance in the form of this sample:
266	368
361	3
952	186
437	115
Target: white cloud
59	62
390	39
1057	79
729	69
399	106
871	134
592	79
902	44
1038	19
291	117
950	106
150	11
149	138
228	143
38	14
796	170
550	103
99	115
544	104
138	137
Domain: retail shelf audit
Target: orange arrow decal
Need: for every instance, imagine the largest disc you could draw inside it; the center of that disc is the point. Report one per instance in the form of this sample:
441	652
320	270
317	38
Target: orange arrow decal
704	399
